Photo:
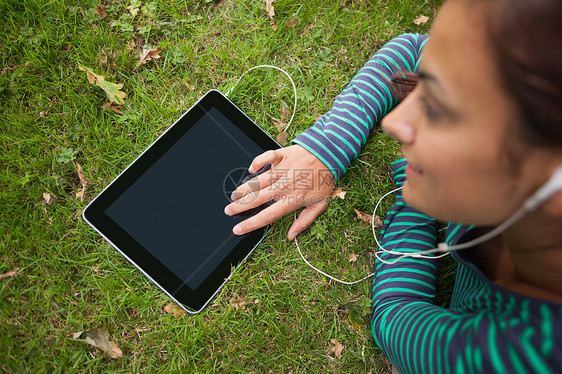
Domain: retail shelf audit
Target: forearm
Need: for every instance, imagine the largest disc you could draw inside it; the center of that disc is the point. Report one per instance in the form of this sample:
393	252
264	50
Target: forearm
337	137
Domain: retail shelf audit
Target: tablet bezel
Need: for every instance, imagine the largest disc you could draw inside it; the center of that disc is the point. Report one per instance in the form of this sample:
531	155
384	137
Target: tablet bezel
193	301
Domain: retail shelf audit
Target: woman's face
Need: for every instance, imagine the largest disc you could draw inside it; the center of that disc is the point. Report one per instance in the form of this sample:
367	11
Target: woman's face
456	126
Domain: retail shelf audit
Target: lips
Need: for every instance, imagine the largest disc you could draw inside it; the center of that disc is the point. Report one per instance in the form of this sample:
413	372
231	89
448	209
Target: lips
416	168
413	170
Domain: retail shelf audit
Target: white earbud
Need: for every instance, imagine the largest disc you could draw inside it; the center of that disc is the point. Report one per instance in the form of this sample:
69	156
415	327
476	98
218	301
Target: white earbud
553	185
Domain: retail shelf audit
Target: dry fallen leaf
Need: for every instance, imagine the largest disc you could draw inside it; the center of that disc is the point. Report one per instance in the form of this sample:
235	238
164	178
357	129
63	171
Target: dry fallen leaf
111	106
240	303
270	12
366	218
99	338
378	222
100	11
112	90
420	20
337	348
148	54
282	137
353	257
175	309
9	274
338	192
81	194
48	199
293	22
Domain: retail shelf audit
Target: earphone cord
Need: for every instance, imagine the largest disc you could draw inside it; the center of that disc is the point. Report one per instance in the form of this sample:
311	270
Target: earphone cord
442	248
282	71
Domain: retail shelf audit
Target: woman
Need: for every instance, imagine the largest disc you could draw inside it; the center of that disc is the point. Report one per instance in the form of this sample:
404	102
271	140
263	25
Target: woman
481	132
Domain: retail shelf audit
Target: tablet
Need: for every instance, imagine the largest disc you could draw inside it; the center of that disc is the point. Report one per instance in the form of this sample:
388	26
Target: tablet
165	211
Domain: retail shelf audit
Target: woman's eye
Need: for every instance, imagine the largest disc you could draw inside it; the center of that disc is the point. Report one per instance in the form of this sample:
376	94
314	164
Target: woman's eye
430	111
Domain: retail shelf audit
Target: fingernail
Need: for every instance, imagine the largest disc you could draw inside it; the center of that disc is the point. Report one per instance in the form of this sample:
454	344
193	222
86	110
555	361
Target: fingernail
292	235
237	229
227	211
251	170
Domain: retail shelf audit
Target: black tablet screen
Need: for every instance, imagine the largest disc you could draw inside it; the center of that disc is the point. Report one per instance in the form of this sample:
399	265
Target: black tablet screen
169	198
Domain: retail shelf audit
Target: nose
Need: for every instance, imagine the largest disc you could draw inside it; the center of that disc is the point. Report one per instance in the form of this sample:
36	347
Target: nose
399	123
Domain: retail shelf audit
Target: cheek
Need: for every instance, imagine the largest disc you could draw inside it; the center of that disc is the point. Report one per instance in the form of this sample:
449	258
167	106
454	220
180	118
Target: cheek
460	183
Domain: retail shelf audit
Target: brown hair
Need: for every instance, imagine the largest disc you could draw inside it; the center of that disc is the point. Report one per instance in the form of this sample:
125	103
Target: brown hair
526	39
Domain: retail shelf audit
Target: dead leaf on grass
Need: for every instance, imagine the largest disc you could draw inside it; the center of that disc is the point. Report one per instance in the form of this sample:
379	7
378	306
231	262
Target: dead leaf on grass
282	137
270	12
99	338
339	192
48	199
353	257
10	274
175	309
293	22
366	218
240	303
111	106
100	11
421	19
81	194
337	348
148	54
112	90
279	124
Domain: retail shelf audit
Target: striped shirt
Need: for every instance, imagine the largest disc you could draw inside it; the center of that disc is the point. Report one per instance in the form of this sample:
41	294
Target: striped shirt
487	328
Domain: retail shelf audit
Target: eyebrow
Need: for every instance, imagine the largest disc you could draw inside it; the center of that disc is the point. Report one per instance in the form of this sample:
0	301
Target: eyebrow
430	78
427	77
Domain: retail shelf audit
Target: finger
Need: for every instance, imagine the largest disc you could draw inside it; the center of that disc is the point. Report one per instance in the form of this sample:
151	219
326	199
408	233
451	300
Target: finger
305	219
265	217
255	184
269	157
249	201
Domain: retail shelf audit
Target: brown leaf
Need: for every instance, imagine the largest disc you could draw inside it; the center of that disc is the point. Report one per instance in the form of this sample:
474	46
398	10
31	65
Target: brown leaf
99	338
285	113
270	12
337	348
339	192
9	274
421	19
366	218
175	309
240	303
353	257
148	54
112	90
48	199
279	125
81	194
378	222
103	58
282	137
293	22
100	11
111	106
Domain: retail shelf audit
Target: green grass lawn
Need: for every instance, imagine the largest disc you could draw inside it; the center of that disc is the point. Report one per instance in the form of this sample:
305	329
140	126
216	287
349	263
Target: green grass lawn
53	124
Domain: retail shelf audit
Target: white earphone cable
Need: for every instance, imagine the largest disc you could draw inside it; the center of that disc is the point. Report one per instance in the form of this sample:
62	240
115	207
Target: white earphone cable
282	71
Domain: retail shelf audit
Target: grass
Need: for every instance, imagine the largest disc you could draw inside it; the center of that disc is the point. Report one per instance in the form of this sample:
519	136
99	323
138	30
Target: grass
51	119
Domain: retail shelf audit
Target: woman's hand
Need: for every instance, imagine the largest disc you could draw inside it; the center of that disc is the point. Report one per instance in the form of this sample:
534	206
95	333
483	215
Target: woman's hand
296	179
